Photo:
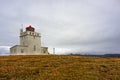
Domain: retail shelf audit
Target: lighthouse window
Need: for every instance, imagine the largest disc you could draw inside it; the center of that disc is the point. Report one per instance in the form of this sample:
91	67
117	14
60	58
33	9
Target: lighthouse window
22	51
14	50
44	51
34	48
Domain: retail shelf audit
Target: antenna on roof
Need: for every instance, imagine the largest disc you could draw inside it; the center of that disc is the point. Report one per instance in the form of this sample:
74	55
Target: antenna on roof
22	26
21	30
53	50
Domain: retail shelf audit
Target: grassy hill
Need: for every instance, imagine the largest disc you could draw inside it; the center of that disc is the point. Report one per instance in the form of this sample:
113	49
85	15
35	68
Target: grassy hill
49	67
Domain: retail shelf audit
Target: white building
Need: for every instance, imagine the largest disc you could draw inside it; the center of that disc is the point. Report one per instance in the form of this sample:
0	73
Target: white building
30	43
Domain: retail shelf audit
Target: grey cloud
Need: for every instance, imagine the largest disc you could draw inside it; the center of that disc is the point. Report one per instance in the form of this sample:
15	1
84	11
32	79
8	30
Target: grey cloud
68	25
4	50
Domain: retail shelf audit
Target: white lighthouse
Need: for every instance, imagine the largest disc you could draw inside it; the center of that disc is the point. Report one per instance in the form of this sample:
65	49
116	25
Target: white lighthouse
30	43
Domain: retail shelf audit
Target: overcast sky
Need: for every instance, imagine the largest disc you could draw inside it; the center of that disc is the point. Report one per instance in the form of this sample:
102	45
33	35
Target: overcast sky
67	25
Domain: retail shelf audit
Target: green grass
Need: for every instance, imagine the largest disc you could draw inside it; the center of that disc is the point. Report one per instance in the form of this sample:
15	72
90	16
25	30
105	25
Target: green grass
50	67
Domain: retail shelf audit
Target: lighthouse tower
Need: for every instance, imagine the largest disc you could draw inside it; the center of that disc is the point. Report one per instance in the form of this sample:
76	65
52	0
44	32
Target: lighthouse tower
30	43
31	39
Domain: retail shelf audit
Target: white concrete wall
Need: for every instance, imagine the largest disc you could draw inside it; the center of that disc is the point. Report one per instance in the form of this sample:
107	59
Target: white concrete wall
30	44
18	50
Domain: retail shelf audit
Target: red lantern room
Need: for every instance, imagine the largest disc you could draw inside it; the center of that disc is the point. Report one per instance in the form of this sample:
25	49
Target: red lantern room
30	28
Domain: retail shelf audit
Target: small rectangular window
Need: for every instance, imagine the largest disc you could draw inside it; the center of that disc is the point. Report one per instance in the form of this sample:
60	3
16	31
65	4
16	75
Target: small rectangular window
14	50
34	48
22	51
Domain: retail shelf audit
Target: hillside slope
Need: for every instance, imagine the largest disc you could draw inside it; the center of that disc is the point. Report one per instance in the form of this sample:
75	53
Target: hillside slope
49	67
